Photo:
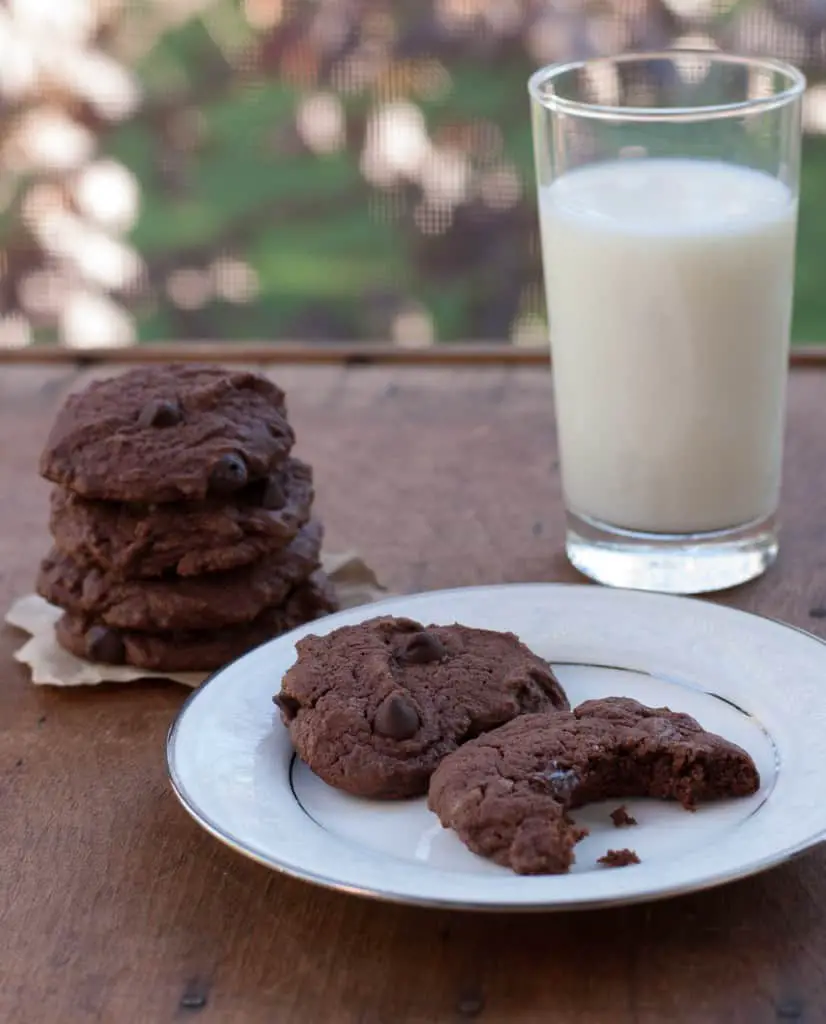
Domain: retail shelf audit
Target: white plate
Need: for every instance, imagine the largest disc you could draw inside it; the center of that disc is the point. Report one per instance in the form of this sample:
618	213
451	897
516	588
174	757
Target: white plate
757	682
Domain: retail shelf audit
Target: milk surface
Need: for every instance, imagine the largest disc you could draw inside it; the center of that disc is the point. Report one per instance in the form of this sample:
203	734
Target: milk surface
669	291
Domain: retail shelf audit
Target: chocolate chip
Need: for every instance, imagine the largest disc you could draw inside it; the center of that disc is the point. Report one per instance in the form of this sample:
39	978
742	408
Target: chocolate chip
274	497
531	689
471	1003
195	995
193	1001
228	474
790	1009
559	782
105	645
422	648
159	412
396	718
288	706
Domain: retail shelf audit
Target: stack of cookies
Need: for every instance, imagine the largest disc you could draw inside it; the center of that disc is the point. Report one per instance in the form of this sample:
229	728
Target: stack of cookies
182	526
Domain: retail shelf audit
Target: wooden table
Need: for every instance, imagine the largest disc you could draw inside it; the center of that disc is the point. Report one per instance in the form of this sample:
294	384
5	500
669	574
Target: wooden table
114	906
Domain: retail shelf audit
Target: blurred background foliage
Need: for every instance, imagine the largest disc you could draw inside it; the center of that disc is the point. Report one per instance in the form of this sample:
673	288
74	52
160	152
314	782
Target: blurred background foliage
316	169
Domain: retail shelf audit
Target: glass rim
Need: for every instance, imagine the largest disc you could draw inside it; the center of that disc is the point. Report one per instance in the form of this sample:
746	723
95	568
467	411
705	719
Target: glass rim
794	88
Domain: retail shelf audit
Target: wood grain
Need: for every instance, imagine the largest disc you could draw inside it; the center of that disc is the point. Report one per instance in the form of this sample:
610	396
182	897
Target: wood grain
114	907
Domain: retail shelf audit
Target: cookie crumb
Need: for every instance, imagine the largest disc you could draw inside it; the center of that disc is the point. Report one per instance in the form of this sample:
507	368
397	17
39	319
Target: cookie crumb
622	818
619	858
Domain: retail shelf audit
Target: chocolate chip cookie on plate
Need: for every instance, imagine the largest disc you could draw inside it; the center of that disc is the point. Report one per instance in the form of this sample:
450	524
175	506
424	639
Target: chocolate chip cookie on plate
373	708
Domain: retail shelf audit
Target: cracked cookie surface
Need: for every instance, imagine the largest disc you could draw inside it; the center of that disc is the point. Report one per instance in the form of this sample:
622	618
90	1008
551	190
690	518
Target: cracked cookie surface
168	433
134	541
199	602
373	708
195	650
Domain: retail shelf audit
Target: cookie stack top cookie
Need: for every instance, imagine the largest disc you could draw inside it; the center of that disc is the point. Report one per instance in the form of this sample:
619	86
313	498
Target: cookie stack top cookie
179	510
169	433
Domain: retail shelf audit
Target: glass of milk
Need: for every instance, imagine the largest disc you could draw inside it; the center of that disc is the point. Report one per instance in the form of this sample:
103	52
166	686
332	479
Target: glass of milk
668	188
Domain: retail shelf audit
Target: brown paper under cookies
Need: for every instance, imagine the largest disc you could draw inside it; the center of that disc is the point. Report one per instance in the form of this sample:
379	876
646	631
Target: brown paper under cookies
51	665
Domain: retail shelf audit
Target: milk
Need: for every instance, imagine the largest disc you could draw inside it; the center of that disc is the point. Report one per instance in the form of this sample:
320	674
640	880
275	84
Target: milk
669	291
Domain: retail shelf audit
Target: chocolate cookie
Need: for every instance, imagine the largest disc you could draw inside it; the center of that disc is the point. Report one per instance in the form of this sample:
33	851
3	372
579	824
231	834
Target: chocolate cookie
199	602
507	794
168	433
373	708
132	541
195	651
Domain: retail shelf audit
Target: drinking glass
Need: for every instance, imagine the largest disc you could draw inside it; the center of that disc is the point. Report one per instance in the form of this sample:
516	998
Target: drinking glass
668	189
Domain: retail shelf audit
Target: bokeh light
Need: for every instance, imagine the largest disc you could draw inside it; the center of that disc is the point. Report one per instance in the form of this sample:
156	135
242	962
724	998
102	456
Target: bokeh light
108	193
190	288
234	280
90	319
320	120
